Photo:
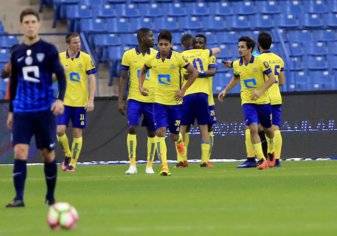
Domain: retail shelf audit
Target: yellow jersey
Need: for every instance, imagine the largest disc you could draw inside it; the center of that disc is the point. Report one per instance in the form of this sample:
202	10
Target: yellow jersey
167	74
252	76
77	70
210	83
277	65
200	59
133	61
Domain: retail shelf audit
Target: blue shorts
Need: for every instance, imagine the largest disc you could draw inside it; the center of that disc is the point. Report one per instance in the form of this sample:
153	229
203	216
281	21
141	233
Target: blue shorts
40	124
77	116
195	107
276	112
257	113
212	115
136	109
168	116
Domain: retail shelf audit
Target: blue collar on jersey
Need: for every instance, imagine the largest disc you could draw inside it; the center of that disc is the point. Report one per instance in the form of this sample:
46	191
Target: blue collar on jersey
148	51
251	60
168	56
77	55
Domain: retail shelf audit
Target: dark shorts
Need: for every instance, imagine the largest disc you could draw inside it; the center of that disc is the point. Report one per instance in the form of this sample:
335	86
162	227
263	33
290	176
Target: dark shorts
136	109
256	113
195	107
168	116
77	116
276	112
40	124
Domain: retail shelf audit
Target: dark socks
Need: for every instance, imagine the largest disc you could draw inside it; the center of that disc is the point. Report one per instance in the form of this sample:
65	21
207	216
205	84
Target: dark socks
19	178
50	172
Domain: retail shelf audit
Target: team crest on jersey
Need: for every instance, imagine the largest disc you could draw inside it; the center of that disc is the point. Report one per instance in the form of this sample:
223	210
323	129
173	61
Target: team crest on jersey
266	64
79	65
40	56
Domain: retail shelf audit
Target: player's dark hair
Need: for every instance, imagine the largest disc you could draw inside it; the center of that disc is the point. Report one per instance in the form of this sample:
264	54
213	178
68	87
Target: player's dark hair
249	42
71	35
265	40
202	36
185	38
165	34
29	11
141	33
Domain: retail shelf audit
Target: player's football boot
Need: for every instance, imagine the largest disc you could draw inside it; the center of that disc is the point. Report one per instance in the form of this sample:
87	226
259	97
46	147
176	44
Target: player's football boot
132	170
70	168
15	203
164	171
271	160
249	163
262	165
149	170
50	202
182	164
206	164
277	163
65	163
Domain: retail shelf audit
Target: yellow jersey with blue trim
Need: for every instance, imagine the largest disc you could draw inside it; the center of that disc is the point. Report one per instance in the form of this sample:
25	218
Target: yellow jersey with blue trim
200	59
133	61
210	83
277	66
252	76
77	70
167	74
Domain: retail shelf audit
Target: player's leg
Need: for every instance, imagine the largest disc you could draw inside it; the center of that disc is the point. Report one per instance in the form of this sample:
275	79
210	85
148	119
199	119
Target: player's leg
181	150
212	121
148	122
161	121
79	122
250	162
45	134
251	118
62	122
133	116
276	120
22	133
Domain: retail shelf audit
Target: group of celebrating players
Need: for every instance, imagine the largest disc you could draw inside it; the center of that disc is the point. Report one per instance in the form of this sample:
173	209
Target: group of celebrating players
173	90
168	89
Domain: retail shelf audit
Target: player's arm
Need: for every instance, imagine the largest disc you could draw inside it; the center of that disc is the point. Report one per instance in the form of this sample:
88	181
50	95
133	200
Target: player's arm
234	81
192	74
281	78
12	93
142	90
267	84
92	91
57	107
215	51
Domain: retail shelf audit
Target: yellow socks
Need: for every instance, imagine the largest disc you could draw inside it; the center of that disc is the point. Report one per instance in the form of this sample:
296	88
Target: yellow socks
76	148
205	149
259	151
249	145
131	141
151	150
277	143
270	143
63	141
162	150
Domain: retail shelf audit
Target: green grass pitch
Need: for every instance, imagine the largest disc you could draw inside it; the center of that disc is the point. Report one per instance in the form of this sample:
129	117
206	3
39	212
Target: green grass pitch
298	199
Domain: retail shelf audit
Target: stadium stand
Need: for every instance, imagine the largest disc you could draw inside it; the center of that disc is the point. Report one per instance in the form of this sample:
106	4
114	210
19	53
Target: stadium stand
304	32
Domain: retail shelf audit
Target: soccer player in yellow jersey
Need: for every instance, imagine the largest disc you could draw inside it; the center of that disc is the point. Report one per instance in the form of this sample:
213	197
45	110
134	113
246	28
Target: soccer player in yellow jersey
78	100
138	105
195	102
250	71
165	66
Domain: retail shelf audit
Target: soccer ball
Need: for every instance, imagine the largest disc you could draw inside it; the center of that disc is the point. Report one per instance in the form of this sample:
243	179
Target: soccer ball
62	215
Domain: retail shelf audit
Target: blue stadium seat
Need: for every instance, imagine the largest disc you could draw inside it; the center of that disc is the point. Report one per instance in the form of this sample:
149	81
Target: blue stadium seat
324	35
115	52
4	56
120	25
129	39
317	62
106	10
228	52
298	81
241	22
221	8
316	6
296	63
169	23
212	39
227	37
8	41
299	35
313	20
332	5
268	7
220	80
296	48
177	9
243	7
93	2
131	11
140	1
293	8
289	21
264	21
331	20
200	9
332	47
332	60
321	80
156	10
317	48
217	23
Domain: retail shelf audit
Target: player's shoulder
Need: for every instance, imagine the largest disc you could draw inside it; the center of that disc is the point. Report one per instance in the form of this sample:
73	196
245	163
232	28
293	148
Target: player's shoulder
237	62
129	52
153	52
63	54
46	45
85	55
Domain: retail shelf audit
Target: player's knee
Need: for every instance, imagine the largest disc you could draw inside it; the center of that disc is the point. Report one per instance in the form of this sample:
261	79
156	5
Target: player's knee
160	132
48	155
21	152
60	131
77	132
132	130
151	134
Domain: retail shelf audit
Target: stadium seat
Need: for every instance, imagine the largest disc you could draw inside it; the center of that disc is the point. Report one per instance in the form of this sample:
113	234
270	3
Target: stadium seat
331	20
299	35
200	9
131	11
106	10
268	7
317	48
7	41
4	56
313	20
321	80
227	37
332	47
264	21
156	10
332	60
129	39
220	8
296	48
243	7
332	5
169	23
241	22
316	6
289	21
298	81
324	35
317	63
296	63
177	9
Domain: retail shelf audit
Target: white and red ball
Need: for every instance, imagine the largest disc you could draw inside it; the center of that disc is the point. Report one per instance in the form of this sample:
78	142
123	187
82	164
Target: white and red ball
62	215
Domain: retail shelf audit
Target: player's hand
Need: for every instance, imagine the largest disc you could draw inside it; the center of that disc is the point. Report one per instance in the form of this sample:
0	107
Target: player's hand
222	95
228	64
144	91
57	107
256	94
10	120
121	107
90	106
179	95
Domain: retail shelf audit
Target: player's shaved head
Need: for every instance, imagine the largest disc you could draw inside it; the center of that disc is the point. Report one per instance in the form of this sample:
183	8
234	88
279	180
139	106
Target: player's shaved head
187	41
27	12
202	36
141	33
249	42
265	40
